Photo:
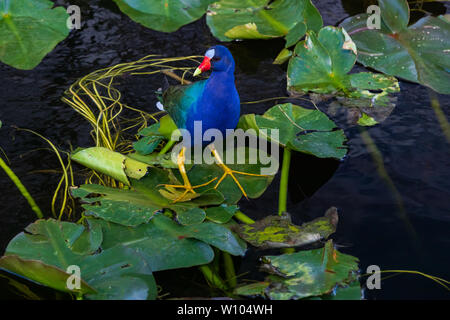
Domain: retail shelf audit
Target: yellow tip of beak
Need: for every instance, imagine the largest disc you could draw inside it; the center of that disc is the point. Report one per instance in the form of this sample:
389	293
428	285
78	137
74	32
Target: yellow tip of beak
197	72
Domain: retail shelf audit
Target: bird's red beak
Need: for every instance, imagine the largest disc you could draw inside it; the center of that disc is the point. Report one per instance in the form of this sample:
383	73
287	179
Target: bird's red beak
204	66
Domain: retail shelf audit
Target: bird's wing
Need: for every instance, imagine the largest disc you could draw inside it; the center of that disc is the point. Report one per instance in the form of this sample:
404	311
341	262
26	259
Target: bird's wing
177	100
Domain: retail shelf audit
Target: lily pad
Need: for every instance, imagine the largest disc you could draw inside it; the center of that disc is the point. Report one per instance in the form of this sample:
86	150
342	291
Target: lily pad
418	53
165	16
42	273
300	129
191	216
126	207
221	214
29	30
51	242
132	207
168	245
111	163
246	160
308	273
280	232
260	19
321	63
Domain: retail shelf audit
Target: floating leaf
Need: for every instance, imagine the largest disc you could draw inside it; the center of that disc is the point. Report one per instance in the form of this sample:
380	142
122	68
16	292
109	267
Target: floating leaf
191	216
283	56
418	53
168	245
308	273
280	232
111	163
221	214
52	242
29	30
321	64
42	273
126	207
300	129
260	19
253	289
165	16
246	160
147	145
155	159
132	207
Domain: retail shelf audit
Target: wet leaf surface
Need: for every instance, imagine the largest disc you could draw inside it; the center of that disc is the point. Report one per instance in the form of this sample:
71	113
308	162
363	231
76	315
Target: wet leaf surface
280	232
308	273
418	53
165	16
300	129
29	30
52	242
261	19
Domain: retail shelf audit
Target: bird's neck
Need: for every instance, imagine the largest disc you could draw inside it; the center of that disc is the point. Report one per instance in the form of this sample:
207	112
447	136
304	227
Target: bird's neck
221	78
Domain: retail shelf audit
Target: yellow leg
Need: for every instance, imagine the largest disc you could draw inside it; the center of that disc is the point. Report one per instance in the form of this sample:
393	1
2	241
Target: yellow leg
187	184
230	172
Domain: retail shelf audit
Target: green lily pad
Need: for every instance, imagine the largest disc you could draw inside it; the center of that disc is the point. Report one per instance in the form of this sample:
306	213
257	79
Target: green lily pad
29	30
321	63
254	186
300	129
165	16
147	145
111	163
168	245
221	214
126	207
308	273
155	159
280	232
42	273
191	216
260	19
283	56
132	207
52	242
418	53
253	289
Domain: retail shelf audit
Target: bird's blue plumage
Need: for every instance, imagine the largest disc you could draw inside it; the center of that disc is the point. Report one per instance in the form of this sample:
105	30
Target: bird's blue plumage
215	102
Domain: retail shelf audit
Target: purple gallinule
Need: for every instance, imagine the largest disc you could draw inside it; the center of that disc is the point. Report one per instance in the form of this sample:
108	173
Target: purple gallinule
215	102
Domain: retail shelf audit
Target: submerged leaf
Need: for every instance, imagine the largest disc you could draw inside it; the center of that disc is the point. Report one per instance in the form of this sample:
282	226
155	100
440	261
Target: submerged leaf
280	232
418	53
29	30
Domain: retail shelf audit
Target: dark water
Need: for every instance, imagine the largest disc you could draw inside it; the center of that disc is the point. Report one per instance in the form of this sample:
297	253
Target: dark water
372	220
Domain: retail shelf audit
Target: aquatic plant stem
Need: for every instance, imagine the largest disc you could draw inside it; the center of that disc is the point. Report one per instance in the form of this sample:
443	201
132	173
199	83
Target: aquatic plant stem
213	278
167	147
21	188
282	200
243	218
230	272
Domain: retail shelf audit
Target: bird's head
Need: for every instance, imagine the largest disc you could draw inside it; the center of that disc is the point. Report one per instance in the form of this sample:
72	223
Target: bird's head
217	58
